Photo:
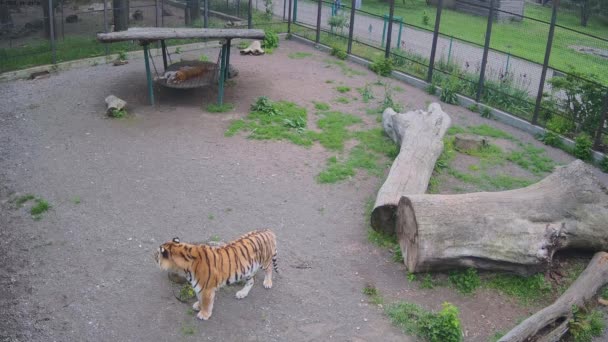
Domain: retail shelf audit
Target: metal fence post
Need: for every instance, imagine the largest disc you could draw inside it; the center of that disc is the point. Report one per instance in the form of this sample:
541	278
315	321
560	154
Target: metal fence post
249	15
351	26
295	10
319	8
429	77
105	25
543	75
391	12
289	18
162	14
600	128
206	14
486	48
158	12
52	29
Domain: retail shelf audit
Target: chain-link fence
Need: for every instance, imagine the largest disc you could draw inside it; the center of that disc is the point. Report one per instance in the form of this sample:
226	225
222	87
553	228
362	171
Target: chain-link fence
52	31
531	66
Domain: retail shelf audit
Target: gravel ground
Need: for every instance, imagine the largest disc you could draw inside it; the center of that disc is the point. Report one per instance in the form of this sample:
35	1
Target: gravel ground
85	272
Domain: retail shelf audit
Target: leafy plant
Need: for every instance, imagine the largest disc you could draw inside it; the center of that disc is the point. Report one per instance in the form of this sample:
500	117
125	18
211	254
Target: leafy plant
264	105
343	89
604	164
366	93
382	66
388	101
122	56
427	282
474	107
449	89
337	22
585	324
486	113
178	50
203	58
526	289
443	326
431	89
338	52
186	292
298	123
321	105
271	40
465	281
582	147
117	113
425	19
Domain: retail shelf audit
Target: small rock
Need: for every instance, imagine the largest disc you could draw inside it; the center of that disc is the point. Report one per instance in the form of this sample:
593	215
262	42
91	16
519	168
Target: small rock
114	102
40	75
469	142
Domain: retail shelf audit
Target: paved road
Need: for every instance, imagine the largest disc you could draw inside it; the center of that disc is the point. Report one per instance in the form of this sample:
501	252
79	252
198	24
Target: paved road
416	41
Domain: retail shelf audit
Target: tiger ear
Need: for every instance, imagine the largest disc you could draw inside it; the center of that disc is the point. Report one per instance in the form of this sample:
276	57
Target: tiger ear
176	239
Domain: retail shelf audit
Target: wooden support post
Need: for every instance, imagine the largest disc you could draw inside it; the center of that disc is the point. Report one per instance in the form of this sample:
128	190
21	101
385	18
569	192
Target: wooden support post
220	95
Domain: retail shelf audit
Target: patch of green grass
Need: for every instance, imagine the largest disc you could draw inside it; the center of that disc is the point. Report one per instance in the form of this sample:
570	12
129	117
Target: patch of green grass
427	282
486	182
346	70
186	292
366	93
526	289
343	100
215	238
210	217
343	89
497	336
443	326
398	89
41	206
321	105
377	141
532	159
118	113
329	81
335	172
21	200
442	164
333	125
489	131
223	108
604	293
299	55
373	294
586	324
270	120
466	282
76	199
188	330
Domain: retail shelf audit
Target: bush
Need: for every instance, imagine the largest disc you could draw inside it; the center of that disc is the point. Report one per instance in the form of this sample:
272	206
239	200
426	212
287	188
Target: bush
431	89
338	52
382	66
448	91
604	164
271	40
585	325
443	326
582	147
465	281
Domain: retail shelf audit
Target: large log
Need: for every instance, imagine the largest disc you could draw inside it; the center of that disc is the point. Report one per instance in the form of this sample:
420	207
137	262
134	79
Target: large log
145	34
420	134
516	231
551	323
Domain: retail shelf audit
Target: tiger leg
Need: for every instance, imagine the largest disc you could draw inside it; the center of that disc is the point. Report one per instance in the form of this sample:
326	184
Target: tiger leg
206	304
268	277
245	290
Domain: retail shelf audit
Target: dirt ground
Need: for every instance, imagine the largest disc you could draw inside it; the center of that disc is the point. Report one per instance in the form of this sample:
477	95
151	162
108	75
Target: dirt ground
85	272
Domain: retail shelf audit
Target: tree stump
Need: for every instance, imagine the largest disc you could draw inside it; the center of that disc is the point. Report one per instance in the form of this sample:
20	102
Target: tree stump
469	142
420	134
516	231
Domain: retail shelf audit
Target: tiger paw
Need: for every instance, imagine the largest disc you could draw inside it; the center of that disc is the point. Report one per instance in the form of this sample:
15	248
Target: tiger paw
196	306
203	315
267	283
242	294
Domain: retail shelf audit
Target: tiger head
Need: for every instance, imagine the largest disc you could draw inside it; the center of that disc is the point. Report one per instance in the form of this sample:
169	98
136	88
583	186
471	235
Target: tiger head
170	256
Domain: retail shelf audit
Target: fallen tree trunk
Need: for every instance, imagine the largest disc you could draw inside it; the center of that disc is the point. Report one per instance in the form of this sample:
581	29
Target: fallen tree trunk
551	323
516	231
420	134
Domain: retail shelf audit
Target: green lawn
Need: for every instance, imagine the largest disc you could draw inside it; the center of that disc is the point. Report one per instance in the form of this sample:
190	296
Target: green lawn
526	39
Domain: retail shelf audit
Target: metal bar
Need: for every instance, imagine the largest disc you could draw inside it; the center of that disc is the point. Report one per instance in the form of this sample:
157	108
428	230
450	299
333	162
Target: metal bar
391	14
148	74
295	10
351	26
164	48
62	21
156	4
450	49
284	8
289	18
220	93
399	37
52	29
429	77
543	75
600	128
249	15
486	48
206	15
162	13
319	7
507	66
383	32
228	43
105	25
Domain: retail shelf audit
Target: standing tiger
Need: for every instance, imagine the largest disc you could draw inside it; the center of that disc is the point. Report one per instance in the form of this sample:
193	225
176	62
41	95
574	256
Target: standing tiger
208	268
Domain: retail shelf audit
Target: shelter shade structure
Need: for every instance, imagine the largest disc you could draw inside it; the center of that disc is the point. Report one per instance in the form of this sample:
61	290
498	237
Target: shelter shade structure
147	35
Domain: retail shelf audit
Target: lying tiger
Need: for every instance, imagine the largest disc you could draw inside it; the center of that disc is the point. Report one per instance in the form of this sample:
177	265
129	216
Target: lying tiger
209	268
